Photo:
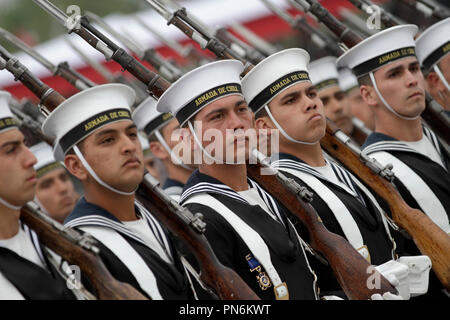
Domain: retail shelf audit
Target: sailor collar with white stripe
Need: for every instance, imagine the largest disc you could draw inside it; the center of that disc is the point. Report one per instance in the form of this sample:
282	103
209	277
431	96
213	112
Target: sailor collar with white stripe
377	141
199	183
89	214
288	161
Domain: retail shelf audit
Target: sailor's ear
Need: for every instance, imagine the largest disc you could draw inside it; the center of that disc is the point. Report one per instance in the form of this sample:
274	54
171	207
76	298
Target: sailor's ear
369	95
75	167
158	150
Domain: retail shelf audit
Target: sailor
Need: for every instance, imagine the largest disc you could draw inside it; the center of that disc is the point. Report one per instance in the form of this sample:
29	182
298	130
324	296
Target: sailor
160	129
288	102
26	271
55	192
359	109
151	163
98	142
392	84
325	78
432	49
246	227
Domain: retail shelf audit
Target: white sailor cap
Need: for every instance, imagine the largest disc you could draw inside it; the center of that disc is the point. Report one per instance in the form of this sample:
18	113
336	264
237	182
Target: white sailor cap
7	120
148	118
433	44
380	49
199	87
324	73
45	160
85	112
347	79
144	144
273	75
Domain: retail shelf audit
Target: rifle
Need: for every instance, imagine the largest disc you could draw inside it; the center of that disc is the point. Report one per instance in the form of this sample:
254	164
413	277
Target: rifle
244	50
428	9
196	32
141	93
79	249
190	228
322	41
29	123
187	51
165	68
62	69
433	113
349	266
319	38
429	238
49	98
179	220
155	84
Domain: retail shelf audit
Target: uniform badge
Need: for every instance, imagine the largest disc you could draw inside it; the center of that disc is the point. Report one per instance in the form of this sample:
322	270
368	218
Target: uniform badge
262	277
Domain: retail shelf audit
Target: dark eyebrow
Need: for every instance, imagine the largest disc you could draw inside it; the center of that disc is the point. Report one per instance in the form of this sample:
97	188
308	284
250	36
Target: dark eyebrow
15	142
214	111
105	132
312	87
297	93
108	131
398	68
238	103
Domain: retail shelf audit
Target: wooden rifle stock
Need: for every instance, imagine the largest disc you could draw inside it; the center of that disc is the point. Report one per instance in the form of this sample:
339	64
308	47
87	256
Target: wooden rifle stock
105	286
225	282
350	268
429	238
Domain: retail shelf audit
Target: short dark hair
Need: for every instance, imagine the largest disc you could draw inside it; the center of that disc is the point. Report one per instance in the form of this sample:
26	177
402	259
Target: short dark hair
152	137
261	113
365	80
80	146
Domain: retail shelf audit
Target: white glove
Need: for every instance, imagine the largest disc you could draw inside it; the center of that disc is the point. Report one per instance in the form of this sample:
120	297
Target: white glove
386	296
397	274
418	273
